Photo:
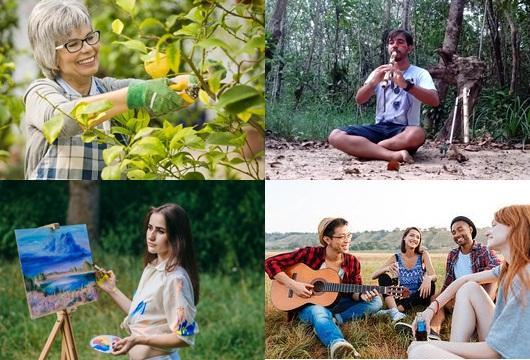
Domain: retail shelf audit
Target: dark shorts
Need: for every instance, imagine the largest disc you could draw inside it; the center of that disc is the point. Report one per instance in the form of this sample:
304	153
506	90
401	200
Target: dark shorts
377	132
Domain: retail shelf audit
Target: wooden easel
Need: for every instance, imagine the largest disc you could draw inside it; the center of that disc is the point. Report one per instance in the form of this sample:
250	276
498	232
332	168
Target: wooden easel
68	349
63	324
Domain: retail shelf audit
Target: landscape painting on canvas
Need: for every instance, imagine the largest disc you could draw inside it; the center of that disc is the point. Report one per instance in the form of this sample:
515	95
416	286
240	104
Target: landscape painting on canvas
57	268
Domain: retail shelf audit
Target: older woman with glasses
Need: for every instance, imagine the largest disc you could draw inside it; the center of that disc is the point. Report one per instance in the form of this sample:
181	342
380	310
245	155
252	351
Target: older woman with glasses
66	48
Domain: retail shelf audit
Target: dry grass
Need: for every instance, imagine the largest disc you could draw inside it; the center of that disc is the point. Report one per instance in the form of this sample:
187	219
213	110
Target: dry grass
372	337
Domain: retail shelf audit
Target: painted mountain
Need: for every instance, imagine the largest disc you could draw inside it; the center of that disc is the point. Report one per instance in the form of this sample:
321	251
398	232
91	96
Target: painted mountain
57	267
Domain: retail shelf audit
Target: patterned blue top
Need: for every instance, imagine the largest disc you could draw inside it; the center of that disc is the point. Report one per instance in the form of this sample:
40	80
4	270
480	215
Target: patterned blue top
411	279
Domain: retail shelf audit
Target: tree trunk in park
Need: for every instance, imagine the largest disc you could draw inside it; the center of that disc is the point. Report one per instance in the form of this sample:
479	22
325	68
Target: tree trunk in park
463	72
83	206
274	52
452	35
405	24
493	26
316	16
515	44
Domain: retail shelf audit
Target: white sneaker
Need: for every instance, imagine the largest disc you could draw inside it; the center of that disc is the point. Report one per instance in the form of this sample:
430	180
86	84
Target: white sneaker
343	350
398	316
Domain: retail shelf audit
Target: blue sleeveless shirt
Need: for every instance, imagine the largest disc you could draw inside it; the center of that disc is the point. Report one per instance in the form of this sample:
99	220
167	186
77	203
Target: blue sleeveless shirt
411	279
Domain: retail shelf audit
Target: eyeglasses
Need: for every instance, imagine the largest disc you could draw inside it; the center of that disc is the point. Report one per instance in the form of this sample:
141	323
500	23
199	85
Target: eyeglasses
75	45
343	236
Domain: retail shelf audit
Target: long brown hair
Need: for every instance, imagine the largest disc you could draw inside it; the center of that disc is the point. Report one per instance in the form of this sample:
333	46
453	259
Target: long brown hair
517	218
178	232
418	250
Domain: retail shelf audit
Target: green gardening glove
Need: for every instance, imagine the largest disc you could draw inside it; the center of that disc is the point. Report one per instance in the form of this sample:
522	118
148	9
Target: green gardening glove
154	95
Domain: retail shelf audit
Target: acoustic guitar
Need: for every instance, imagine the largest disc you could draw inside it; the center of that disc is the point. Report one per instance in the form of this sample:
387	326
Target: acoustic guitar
326	288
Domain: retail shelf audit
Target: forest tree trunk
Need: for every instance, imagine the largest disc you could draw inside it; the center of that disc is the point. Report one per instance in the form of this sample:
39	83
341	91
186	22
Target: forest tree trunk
515	43
493	26
464	72
275	47
83	206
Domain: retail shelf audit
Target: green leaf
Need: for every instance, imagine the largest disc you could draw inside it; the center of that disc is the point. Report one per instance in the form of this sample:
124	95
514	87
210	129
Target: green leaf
144	132
239	98
149	146
52	128
136	174
215	83
111	172
176	142
173	56
127	5
171	20
112	153
88	136
192	29
120	130
151	23
96	107
134	45
221	138
5	154
117	26
128	163
195	15
143	119
213	42
193	176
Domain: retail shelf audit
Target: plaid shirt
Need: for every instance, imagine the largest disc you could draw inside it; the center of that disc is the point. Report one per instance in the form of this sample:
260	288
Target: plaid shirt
482	259
69	157
313	257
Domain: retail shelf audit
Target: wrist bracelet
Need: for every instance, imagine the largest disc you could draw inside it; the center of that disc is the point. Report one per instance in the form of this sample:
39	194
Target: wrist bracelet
437	305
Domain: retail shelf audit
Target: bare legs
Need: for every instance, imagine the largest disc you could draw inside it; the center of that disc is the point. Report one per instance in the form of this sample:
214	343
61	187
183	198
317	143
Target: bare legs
471	299
394	148
473	310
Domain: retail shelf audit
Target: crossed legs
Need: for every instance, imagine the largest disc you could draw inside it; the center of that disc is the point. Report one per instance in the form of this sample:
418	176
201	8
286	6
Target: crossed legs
394	148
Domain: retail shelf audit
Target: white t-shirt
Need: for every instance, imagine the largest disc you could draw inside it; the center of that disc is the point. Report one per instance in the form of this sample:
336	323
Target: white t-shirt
401	107
463	265
163	304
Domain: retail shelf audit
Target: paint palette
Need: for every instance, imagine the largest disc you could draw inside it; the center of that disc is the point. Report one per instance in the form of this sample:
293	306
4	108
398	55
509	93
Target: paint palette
103	343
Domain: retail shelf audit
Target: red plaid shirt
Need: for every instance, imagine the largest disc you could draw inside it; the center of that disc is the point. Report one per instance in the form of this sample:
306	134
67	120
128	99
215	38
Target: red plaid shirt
482	259
313	257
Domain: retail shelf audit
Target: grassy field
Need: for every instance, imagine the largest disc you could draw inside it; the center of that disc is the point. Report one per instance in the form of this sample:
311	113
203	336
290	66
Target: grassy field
229	316
372	337
315	121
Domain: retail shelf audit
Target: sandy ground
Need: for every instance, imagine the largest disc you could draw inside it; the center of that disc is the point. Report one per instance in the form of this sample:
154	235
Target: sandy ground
314	160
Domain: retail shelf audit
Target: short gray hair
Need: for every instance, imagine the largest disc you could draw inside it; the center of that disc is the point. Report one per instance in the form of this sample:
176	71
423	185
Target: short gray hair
50	22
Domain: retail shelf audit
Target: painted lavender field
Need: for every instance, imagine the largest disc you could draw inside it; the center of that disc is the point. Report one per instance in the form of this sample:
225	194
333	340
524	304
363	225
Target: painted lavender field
57	268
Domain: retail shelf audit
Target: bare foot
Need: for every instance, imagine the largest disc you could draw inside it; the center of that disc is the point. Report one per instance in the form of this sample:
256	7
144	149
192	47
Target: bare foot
406	157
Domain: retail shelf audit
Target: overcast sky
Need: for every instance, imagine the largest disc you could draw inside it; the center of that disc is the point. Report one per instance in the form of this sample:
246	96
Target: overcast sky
293	206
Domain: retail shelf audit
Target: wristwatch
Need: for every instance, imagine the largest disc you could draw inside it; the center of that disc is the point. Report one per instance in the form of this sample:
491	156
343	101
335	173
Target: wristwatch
409	86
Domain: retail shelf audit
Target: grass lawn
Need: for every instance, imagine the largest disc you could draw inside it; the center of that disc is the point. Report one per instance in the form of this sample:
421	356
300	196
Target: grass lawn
372	337
229	315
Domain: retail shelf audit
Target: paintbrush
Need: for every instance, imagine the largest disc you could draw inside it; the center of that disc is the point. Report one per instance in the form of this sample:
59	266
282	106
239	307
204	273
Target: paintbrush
102	275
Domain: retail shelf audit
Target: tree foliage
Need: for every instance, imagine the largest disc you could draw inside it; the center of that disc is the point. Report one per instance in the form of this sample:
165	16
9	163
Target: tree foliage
227	218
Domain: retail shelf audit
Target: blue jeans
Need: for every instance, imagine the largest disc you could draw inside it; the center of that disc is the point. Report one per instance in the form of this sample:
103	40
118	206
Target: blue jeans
346	309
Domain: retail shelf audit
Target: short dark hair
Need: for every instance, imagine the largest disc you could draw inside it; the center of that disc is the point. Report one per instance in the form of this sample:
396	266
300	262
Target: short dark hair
418	249
330	229
394	33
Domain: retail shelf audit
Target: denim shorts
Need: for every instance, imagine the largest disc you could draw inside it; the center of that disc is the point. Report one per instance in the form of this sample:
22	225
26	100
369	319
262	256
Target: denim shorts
172	356
375	132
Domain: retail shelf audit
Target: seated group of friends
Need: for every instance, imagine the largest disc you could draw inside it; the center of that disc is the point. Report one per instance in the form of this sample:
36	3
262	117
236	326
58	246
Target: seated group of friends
488	298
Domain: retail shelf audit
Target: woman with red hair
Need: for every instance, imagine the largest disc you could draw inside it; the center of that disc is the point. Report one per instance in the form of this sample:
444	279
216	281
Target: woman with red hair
503	329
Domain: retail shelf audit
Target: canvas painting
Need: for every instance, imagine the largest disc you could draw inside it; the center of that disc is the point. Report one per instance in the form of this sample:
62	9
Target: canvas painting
57	268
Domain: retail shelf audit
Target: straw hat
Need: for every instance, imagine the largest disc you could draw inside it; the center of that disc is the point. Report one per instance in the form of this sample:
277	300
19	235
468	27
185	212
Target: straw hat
322	227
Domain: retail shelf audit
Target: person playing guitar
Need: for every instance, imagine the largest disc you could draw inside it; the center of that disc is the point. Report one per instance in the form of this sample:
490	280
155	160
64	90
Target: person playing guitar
335	239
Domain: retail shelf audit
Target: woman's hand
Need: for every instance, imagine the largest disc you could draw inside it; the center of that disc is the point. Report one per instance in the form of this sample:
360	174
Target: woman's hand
393	269
425	288
106	280
427	316
122	347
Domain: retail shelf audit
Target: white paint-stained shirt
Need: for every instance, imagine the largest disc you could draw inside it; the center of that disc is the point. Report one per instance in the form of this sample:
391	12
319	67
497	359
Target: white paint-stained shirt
163	304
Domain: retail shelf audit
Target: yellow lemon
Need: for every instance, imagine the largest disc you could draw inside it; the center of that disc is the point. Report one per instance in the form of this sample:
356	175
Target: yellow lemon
181	82
157	66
